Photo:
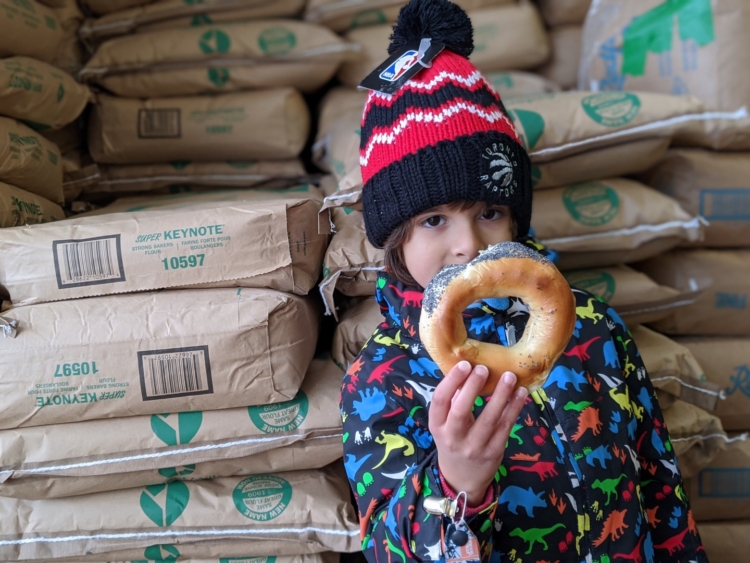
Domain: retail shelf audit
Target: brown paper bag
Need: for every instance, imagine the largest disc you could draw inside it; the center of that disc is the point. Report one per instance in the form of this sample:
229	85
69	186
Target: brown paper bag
118	181
30	29
283	513
29	161
340	15
697	436
594	224
712	185
19	207
518	83
721	131
233	56
351	263
563	12
169	351
354	329
107	6
111	454
674	370
505	38
272	124
234	238
556	126
725	541
224	552
720	491
168	14
693	47
68	138
722	274
40	94
565	48
726	362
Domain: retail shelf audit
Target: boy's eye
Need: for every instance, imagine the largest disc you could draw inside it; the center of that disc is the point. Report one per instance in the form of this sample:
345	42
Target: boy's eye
492	214
434	221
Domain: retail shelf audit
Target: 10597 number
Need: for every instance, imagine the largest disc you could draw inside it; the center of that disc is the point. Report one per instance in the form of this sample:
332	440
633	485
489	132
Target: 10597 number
76	368
192	261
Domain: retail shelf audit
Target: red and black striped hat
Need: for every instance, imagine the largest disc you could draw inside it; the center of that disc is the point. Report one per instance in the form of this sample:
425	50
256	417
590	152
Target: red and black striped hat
444	136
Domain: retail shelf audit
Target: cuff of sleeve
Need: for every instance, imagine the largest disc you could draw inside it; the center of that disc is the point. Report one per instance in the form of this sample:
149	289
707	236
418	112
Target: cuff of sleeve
489	496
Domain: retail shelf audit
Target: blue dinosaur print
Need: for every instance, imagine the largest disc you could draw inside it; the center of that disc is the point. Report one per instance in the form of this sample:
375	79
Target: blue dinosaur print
645	400
393	313
483	324
497	303
390	521
648	548
674	520
614	425
562	376
352	465
526	498
600	454
379	355
577	329
632	426
657	442
611	359
372	401
574	463
421	436
638	522
424	366
615	317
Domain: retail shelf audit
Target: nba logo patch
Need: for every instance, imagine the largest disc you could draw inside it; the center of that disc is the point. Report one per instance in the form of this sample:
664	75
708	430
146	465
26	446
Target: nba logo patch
400	66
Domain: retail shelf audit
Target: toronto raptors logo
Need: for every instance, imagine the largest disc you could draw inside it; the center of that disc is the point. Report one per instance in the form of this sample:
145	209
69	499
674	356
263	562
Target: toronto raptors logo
499	178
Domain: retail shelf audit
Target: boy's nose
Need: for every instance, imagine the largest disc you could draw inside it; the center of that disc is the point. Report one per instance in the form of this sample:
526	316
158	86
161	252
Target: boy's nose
466	245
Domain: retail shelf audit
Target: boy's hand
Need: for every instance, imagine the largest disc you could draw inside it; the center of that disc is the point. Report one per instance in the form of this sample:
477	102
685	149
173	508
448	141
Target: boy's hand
470	451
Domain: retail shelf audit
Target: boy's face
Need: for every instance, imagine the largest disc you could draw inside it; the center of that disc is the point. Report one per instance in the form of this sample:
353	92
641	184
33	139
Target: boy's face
447	235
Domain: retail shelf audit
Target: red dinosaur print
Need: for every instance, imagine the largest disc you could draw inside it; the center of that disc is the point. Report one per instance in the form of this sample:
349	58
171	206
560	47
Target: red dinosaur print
651	516
614	526
409	297
581	350
588	420
353	373
635	555
526	457
674	543
542	468
379	373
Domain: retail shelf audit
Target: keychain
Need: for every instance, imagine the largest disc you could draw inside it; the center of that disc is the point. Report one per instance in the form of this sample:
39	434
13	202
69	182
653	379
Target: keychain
460	545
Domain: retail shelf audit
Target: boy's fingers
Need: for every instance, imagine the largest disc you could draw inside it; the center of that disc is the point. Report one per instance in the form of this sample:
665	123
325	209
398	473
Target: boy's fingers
460	416
445	391
486	424
507	420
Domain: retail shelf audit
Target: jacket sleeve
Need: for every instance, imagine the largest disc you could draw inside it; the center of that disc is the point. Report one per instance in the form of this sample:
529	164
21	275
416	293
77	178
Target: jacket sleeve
391	459
662	493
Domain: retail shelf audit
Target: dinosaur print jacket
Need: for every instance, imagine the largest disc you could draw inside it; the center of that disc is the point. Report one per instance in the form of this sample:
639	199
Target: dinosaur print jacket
589	473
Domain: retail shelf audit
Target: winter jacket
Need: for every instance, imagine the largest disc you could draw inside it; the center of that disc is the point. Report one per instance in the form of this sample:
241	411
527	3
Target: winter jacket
589	473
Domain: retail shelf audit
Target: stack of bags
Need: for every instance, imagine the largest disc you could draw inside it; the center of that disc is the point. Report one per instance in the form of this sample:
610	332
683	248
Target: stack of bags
564	19
40	103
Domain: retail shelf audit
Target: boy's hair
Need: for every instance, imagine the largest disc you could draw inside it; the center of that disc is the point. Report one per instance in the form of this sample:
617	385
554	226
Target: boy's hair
394	244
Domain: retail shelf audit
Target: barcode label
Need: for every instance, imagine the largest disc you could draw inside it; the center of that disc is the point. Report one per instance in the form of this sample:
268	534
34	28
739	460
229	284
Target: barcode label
724	483
159	124
88	261
176	372
725	204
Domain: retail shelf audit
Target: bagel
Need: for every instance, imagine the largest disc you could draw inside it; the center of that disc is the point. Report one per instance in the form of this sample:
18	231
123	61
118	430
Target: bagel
503	270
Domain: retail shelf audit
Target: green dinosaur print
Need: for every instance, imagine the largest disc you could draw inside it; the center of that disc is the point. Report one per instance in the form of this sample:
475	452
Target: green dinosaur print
608	486
578	407
394	549
516	428
534	535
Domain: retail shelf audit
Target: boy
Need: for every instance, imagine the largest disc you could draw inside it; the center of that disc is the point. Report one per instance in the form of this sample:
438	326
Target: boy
582	470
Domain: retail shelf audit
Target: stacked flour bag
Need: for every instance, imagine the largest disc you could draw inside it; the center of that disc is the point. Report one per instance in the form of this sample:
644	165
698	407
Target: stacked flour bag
564	20
40	106
169	396
198	95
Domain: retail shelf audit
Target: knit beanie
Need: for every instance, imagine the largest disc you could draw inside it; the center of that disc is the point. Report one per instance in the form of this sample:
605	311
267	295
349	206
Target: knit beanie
444	136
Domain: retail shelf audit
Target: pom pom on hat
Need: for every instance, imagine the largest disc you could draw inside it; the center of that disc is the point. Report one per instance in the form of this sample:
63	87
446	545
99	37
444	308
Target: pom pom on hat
440	20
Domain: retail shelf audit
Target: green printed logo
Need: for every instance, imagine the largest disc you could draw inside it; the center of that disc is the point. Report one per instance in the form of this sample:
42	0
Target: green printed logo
160	554
60	93
368	17
536	176
597	282
280	417
215	41
500	80
277	40
176	429
171	473
531	126
262	497
269	559
651	32
164	504
592	205
612	109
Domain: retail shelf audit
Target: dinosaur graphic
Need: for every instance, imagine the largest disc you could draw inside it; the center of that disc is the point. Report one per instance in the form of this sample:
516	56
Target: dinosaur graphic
615	317
611	359
622	399
387	341
535	535
409	297
371	402
645	399
614	526
542	468
393	442
580	351
526	498
379	373
425	391
600	454
671	466
608	486
424	366
588	420
480	325
562	376
635	555
352	465
578	407
587	312
673	544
